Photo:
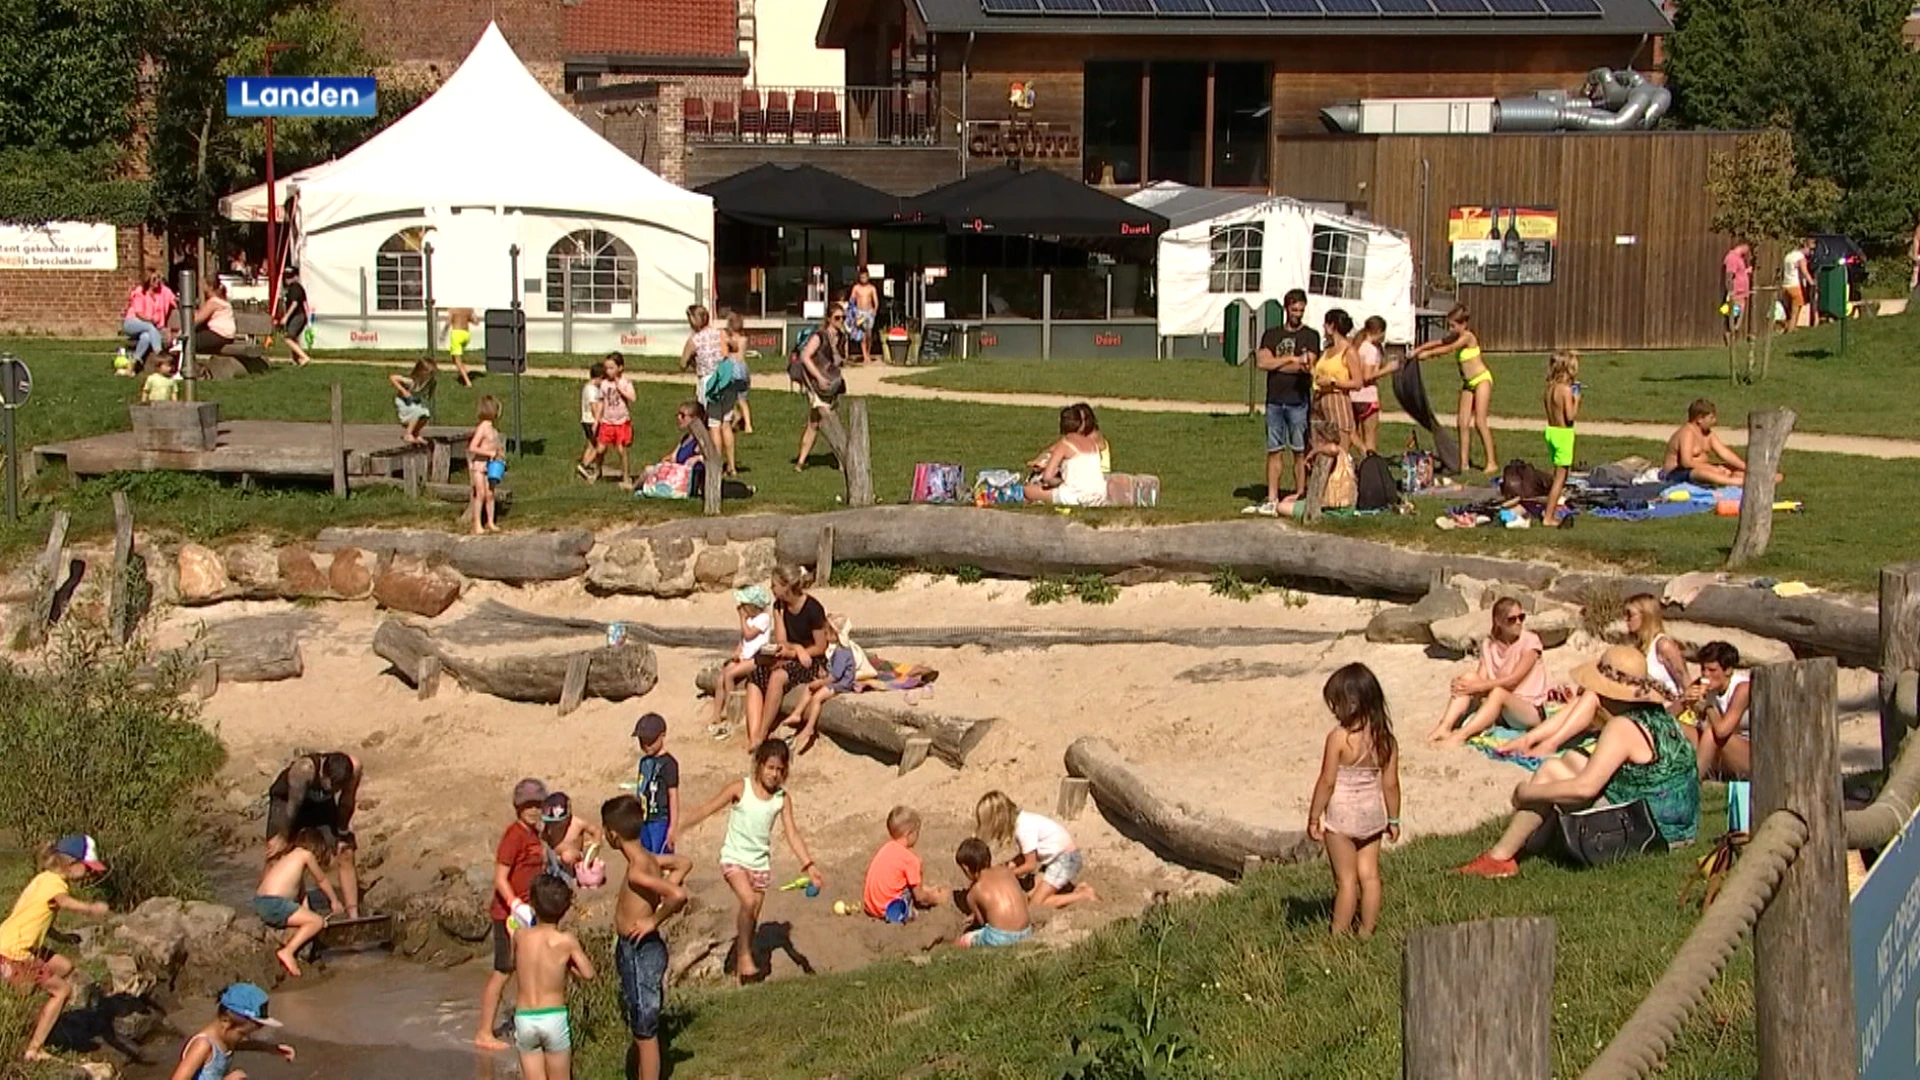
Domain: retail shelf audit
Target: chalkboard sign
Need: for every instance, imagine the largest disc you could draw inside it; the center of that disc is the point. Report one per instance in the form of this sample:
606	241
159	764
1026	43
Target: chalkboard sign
936	344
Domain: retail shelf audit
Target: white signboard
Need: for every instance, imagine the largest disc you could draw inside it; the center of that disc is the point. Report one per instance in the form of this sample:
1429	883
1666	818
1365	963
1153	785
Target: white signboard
59	245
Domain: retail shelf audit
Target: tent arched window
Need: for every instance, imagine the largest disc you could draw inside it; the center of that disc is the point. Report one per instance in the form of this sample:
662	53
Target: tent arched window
400	272
598	266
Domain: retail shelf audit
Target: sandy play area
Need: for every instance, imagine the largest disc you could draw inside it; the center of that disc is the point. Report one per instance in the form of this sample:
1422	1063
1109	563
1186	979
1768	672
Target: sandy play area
1237	731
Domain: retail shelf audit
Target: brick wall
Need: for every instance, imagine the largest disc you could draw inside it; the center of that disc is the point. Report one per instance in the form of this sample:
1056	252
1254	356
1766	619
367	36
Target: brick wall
445	30
78	303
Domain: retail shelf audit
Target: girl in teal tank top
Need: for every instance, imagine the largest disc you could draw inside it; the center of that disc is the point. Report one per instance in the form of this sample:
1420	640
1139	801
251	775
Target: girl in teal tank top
746	855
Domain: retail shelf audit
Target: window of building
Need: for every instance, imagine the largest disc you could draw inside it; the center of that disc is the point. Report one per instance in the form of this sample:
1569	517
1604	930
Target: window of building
598	266
1339	263
400	272
1112	121
1242	105
1177	122
1234	258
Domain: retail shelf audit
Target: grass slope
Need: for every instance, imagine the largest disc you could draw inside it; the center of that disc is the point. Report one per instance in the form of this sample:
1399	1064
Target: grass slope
1251	975
1209	468
1831	393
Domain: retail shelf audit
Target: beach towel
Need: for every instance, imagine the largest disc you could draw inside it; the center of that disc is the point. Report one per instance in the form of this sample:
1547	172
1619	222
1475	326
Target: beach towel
891	676
1486	741
1411	392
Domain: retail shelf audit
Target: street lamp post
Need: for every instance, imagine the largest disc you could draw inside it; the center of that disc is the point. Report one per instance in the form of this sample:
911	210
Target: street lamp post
273	251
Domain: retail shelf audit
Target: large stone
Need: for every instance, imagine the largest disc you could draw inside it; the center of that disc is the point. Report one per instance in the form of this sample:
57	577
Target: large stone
201	920
1410	625
757	560
715	567
1460	634
1555	623
623	566
124	975
673	558
202	576
350	575
410	585
255	567
299	574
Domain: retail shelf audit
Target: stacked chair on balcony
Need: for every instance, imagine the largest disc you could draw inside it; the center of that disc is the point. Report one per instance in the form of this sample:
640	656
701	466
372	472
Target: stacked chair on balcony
722	124
826	117
694	114
779	116
753	119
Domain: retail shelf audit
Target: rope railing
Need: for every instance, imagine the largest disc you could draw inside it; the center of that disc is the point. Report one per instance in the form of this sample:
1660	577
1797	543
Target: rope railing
1875	825
1639	1046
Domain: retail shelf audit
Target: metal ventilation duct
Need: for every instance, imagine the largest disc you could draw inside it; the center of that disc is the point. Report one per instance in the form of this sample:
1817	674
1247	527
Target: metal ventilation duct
1610	101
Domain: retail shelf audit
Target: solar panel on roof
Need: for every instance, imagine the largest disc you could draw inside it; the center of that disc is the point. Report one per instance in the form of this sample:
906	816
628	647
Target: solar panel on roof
1516	7
1293	9
1068	7
1405	7
1125	7
1350	8
1010	7
1573	7
1460	7
1238	8
1182	7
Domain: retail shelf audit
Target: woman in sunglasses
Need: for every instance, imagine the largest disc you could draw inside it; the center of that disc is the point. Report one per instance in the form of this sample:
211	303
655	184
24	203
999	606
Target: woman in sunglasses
820	358
1510	685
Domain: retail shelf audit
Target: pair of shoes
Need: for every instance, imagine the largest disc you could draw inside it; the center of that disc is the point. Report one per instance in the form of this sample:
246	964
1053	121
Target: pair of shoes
1486	866
1265	509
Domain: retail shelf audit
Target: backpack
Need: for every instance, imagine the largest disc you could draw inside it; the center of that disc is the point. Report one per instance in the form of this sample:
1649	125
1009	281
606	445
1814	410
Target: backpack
1521	480
1376	490
796	371
937	483
826	359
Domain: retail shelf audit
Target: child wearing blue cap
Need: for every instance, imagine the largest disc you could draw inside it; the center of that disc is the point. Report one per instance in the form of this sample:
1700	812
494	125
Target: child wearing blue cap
208	1054
25	964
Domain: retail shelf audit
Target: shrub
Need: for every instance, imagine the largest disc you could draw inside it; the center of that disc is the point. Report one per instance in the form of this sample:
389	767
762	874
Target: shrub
873	576
969	575
1094	589
91	748
1046	590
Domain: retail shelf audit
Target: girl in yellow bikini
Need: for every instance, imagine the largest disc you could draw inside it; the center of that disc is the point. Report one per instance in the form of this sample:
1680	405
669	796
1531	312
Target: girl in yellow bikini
1476	383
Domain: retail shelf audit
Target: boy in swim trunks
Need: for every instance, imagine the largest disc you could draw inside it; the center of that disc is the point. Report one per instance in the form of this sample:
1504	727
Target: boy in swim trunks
646	899
1563	405
283	903
996	903
545	956
1695	455
459	336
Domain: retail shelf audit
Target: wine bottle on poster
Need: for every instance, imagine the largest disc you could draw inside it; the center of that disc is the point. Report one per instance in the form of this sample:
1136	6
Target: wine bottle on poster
1510	249
1493	266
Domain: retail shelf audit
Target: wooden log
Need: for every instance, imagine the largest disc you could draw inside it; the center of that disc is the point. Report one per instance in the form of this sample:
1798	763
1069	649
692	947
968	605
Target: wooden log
1813	625
574	688
1073	798
249	649
517	558
1249	866
1899	653
337	445
1000	638
532	669
1318	473
914	753
823	558
48	579
426	677
858	464
121	616
711	475
1767	431
1476	1001
1802	948
854	718
1186	834
440	463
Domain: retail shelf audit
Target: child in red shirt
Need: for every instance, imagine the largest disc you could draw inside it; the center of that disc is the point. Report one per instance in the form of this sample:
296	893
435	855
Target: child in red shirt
517	861
894	887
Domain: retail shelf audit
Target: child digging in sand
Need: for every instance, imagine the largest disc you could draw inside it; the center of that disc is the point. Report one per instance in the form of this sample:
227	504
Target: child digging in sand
894	887
640	951
283	902
208	1054
1356	801
996	906
746	857
754	605
546	956
23	936
1043	849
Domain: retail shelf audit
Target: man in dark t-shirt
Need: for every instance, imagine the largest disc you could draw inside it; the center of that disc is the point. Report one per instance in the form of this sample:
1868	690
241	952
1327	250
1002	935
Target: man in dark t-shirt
291	315
1287	353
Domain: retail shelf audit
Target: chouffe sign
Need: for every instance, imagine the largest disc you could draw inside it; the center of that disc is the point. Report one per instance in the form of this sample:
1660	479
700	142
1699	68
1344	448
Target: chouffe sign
59	245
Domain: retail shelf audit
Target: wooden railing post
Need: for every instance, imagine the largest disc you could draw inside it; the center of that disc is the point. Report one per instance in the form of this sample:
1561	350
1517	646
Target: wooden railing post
1476	1001
1899	654
1802	948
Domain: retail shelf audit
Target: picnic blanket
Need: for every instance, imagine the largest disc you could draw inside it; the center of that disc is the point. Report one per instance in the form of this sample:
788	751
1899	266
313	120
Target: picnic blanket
1677	500
891	676
1488	741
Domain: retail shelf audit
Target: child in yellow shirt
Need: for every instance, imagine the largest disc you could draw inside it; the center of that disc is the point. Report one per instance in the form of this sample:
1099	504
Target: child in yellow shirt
23	962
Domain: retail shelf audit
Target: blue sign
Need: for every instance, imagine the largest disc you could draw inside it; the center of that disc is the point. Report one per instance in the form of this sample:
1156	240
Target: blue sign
1886	962
299	95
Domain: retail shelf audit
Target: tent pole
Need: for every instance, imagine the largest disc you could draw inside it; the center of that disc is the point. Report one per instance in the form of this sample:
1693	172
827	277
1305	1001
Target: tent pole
426	288
513	264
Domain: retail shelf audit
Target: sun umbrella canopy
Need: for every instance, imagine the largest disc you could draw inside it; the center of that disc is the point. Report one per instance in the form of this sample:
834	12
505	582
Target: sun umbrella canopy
1041	202
803	196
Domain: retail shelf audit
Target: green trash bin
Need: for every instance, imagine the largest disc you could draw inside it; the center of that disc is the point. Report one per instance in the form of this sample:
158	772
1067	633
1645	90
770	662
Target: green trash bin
1238	333
1834	297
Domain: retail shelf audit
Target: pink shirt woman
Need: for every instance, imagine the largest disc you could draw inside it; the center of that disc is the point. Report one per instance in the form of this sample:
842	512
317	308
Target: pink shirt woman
1499	659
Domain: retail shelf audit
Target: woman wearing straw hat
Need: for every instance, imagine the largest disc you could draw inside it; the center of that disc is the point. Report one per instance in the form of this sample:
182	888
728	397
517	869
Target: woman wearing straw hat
1641	755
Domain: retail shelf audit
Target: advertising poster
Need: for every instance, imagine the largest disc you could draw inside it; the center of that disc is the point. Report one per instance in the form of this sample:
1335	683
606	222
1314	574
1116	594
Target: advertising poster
59	245
1503	245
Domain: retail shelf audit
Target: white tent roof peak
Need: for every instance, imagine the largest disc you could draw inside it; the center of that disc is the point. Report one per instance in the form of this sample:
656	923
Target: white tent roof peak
490	136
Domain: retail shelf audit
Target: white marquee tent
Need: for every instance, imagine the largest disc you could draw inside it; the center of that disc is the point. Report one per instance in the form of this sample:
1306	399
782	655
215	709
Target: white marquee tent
1227	246
490	161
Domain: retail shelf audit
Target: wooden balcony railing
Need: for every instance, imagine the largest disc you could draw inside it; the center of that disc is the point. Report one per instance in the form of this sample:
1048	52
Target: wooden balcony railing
845	115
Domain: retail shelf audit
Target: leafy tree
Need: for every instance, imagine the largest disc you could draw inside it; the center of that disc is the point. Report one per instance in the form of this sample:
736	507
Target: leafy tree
70	78
1759	193
1835	73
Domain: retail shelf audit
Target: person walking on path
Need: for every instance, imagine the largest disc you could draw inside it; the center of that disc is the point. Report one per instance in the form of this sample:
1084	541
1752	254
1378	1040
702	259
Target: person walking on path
1286	354
1796	283
864	309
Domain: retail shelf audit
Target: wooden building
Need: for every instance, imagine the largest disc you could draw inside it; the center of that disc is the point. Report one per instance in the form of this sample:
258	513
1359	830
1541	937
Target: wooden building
1230	93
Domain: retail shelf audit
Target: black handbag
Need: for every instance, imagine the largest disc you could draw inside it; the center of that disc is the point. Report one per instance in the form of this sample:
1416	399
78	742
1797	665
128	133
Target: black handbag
1608	834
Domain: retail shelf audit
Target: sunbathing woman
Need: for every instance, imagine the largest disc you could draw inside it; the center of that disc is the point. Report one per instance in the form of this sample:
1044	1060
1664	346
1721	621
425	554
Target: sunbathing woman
1666	666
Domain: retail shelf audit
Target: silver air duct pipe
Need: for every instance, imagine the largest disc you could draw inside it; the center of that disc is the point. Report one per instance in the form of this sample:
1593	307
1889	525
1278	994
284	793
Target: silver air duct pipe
1610	101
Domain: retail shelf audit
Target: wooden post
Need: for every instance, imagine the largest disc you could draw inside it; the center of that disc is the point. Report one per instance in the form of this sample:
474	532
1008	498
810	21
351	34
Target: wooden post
338	422
1476	1001
715	462
1073	797
823	557
440	468
1249	866
412	465
859	467
1899	653
49	574
207	682
1802	947
1767	431
574	689
426	677
914	753
120	606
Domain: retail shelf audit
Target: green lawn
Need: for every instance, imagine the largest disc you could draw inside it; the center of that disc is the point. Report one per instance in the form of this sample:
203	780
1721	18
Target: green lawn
1855	394
1210	467
1251	976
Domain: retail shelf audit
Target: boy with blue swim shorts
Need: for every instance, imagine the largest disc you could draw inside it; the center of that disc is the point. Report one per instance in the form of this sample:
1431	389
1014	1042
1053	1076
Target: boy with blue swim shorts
282	902
996	903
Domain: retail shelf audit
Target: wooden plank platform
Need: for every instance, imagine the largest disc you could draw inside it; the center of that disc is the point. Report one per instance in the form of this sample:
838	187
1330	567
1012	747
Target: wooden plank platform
265	448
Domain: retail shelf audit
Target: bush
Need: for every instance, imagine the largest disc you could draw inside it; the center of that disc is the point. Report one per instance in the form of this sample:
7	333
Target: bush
872	576
87	750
